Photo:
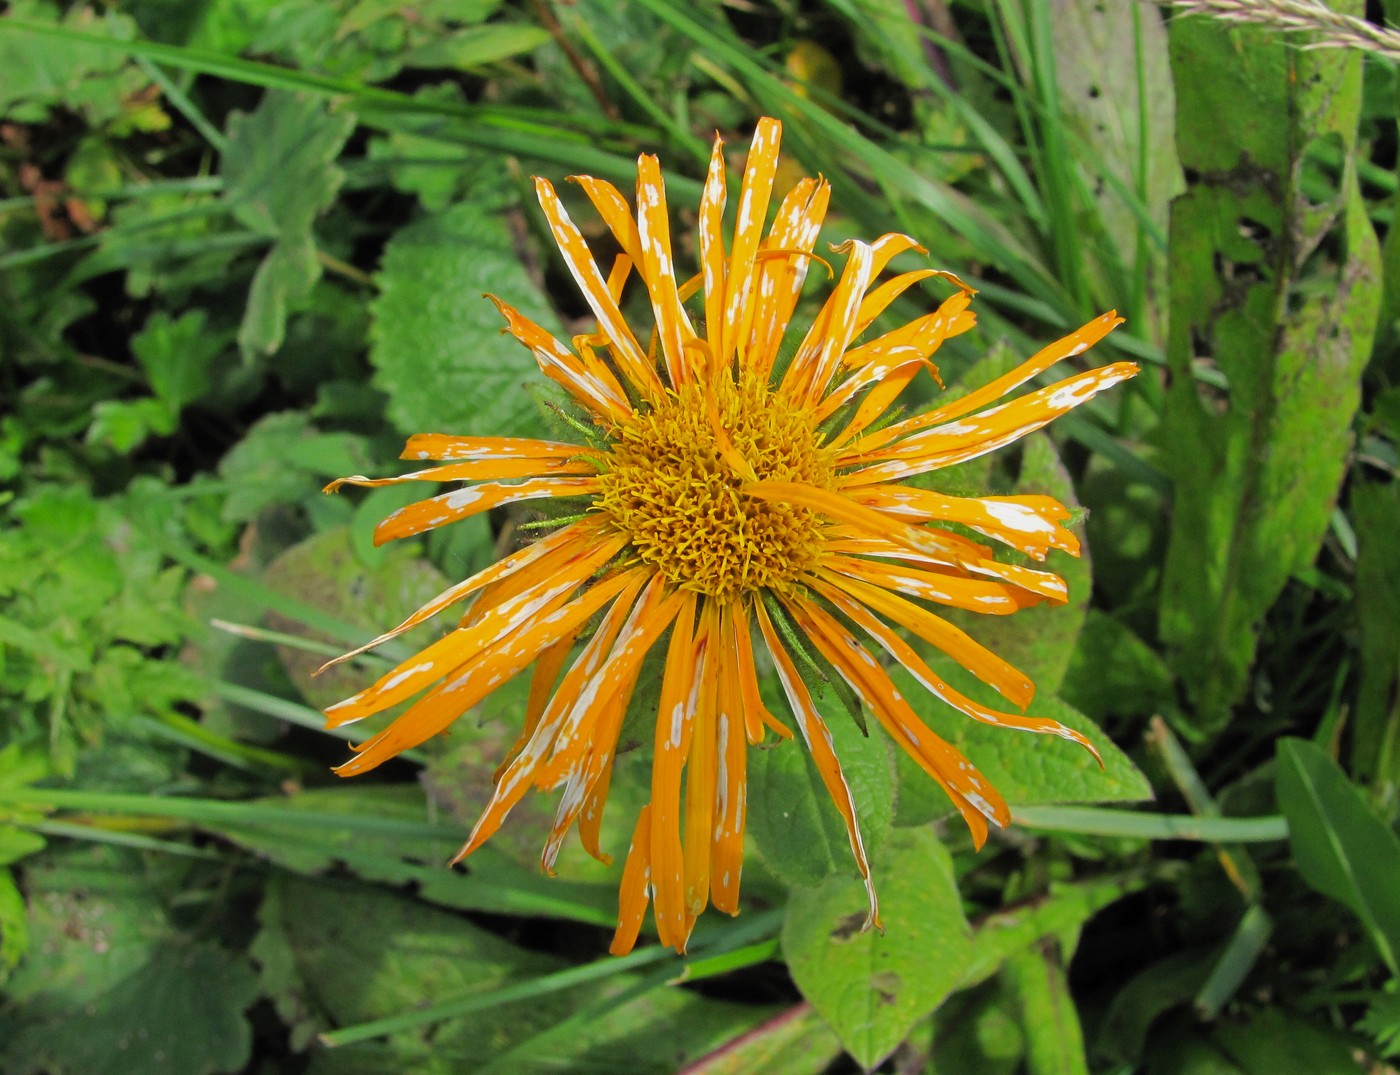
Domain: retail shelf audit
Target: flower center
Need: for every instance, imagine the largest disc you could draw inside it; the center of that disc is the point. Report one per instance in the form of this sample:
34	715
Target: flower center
674	490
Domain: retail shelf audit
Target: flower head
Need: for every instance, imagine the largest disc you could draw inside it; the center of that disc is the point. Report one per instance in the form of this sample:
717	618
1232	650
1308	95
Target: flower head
729	502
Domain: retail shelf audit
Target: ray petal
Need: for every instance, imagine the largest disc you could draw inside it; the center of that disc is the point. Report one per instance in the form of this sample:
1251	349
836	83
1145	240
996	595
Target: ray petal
968	789
462	503
997	673
782	268
969	437
1028	523
590	280
636	882
473	470
713	269
760	170
440	446
582	375
674	715
477	678
905	654
659	271
731	783
548	552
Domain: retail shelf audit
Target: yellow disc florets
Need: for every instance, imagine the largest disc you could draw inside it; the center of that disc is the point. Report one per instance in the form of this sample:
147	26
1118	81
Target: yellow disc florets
676	488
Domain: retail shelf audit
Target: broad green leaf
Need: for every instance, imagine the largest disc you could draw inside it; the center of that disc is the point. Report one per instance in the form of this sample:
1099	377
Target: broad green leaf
1343	849
100	944
336	954
793	822
1115	673
180	1014
1375	726
436	343
1054	1040
1279	289
871	988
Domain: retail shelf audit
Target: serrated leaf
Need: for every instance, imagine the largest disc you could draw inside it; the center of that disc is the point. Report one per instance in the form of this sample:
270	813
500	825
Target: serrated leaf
1280	288
436	343
176	354
283	459
1343	848
287	274
278	169
279	174
180	1014
872	989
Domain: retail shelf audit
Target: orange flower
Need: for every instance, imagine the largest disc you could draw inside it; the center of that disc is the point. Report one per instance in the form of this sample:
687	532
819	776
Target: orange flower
730	500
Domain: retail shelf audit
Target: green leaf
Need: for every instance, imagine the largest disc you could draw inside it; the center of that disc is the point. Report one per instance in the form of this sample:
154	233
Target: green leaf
337	954
101	945
795	1042
16	844
436	343
1343	849
279	171
1115	673
1115	95
181	1014
872	988
794	824
177	354
279	174
1054	1038
286	276
1375	728
1279	288
14	925
1277	1039
476	46
1382	1022
283	459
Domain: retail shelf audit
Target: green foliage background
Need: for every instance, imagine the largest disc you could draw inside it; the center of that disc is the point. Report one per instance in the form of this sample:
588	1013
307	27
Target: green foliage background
242	244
